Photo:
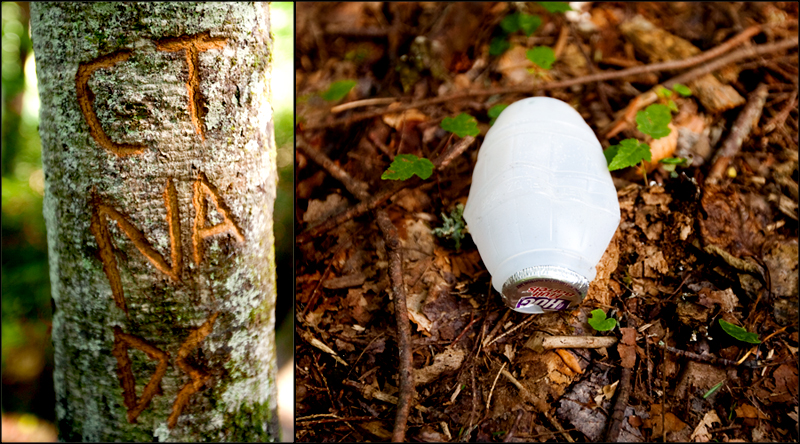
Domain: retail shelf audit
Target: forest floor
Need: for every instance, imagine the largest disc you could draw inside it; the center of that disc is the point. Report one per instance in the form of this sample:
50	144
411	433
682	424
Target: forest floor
713	238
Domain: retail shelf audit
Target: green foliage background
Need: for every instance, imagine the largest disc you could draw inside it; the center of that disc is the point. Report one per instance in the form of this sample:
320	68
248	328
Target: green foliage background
27	353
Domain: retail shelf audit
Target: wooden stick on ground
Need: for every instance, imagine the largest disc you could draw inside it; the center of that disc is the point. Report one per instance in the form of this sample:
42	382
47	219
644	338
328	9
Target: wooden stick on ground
748	118
406	391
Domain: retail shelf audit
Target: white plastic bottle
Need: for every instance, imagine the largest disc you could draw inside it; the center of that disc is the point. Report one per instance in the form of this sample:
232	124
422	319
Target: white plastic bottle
542	207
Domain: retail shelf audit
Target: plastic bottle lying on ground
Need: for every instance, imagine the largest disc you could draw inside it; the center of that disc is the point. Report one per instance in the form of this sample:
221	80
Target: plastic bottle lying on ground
542	207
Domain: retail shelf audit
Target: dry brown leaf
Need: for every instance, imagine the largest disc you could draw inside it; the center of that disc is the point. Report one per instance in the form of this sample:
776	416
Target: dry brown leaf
734	223
415	315
725	299
570	360
449	360
320	210
406	119
672	422
748	411
514	65
700	433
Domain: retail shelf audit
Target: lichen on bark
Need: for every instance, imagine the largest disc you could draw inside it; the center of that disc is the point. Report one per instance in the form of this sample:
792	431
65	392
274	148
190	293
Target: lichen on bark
144	100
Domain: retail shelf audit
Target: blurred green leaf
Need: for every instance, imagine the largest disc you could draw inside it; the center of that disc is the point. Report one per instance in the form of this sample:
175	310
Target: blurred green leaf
542	56
629	152
529	23
556	6
498	46
682	90
494	112
461	125
739	332
654	120
510	23
406	165
338	90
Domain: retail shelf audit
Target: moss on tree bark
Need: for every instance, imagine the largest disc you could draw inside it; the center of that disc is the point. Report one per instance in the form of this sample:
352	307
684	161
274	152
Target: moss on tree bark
161	253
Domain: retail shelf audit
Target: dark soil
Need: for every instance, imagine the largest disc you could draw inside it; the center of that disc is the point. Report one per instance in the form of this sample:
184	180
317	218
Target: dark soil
689	251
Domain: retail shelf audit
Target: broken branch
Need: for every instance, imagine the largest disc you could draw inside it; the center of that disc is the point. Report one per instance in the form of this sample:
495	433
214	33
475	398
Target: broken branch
403	328
740	130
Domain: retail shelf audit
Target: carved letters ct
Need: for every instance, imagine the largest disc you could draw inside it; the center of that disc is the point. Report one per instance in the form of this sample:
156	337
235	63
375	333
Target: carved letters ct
102	214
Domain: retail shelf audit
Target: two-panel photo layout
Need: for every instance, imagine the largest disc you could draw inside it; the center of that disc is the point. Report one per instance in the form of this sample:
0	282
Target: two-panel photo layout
400	221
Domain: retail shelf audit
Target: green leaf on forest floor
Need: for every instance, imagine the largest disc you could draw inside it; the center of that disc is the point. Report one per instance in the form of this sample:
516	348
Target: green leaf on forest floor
453	227
542	56
520	22
406	165
461	125
494	112
713	389
338	90
556	6
739	332
654	120
599	322
498	46
682	89
629	152
663	93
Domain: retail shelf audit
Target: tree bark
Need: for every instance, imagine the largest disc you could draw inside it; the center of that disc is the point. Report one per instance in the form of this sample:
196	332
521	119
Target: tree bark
160	177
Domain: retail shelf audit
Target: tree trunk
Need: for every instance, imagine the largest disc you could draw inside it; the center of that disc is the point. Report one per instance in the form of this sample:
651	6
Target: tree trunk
160	178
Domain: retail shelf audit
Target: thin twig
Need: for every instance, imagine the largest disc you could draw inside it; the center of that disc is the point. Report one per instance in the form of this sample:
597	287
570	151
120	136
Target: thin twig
513	430
779	118
602	76
324	421
618	415
355	187
491	392
744	124
403	328
359	103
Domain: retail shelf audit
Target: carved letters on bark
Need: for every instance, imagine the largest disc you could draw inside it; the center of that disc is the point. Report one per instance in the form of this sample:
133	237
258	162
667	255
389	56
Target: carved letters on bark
122	342
103	213
193	45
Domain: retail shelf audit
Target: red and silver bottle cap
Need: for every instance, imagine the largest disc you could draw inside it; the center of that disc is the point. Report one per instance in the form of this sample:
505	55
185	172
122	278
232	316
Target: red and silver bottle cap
544	288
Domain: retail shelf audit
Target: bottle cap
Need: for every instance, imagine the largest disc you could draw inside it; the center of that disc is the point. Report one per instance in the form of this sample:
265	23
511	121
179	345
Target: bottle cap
544	288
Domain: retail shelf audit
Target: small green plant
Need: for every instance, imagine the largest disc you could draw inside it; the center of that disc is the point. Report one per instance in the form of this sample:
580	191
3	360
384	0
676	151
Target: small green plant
461	125
338	90
541	56
739	332
494	112
599	322
406	165
670	163
713	389
552	7
654	120
520	22
499	45
453	227
682	90
629	152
